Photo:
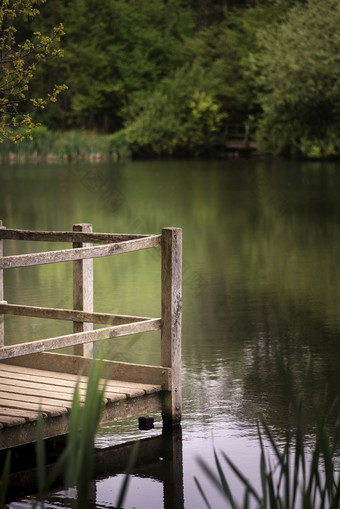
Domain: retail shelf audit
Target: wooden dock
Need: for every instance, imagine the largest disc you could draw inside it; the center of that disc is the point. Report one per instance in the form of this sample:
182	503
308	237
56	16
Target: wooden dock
35	379
237	138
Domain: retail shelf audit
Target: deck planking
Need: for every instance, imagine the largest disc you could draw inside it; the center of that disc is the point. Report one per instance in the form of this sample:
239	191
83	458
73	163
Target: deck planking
25	391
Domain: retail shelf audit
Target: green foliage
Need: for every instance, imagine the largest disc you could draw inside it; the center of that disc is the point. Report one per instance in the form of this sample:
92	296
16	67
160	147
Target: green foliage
226	51
51	146
18	62
133	68
181	116
113	50
298	78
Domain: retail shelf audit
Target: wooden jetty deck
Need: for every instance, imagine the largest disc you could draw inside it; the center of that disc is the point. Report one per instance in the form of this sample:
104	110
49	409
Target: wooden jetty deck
238	138
35	379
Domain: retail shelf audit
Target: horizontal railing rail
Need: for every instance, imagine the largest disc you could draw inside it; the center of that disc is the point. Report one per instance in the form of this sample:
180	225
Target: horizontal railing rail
67	236
81	253
68	314
79	338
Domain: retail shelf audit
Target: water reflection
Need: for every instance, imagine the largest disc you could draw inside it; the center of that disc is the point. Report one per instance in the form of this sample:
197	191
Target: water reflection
158	471
261	249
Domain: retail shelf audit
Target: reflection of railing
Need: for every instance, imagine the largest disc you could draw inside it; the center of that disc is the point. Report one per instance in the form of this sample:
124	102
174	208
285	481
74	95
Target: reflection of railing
159	458
166	376
239	137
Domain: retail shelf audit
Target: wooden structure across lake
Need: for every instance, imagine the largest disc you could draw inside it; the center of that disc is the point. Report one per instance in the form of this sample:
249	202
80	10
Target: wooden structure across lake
237	138
33	378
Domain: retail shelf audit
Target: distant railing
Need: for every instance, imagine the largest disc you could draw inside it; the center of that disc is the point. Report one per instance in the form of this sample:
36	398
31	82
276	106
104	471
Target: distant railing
82	315
239	137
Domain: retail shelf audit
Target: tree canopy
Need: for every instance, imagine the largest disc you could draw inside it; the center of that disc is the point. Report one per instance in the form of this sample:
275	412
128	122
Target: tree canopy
168	76
297	70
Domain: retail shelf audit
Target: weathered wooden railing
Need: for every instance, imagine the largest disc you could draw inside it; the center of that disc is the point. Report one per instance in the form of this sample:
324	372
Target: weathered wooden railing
82	315
239	137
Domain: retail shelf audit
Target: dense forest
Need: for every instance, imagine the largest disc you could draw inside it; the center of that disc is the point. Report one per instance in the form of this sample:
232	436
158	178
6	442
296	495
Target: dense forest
169	76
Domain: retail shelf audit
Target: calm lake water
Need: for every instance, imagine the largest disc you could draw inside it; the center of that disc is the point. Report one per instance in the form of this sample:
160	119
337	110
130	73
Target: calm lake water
261	265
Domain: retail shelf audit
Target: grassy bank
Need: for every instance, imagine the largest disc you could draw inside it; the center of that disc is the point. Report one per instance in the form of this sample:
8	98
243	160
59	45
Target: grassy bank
50	146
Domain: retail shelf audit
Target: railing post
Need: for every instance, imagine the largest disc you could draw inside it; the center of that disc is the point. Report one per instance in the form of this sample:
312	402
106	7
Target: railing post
2	327
172	318
83	290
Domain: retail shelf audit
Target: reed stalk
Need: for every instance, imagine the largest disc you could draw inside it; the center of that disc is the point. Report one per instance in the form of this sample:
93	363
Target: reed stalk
293	476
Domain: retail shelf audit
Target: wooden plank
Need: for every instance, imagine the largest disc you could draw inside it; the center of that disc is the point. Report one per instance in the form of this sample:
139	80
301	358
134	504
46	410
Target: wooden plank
172	317
83	291
64	255
14	384
55	382
43	345
28	415
124	409
8	421
70	365
61	386
67	236
116	385
69	314
56	387
58	425
51	411
2	330
12	437
113	389
63	398
35	400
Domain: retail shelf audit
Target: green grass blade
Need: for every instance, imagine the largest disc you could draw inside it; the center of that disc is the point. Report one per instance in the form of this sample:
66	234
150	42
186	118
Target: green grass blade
66	465
242	478
92	410
223	480
41	455
274	502
226	492
129	469
5	479
246	500
263	467
72	447
203	495
270	437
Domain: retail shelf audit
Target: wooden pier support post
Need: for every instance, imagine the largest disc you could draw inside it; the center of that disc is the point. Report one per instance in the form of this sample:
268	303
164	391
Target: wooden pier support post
172	321
2	329
83	290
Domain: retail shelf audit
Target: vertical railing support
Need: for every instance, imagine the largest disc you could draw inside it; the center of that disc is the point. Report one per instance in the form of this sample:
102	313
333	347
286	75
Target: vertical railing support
2	327
172	321
83	290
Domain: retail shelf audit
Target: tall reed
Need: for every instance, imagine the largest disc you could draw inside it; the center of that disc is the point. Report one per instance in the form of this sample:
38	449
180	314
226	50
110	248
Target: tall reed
293	476
51	146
